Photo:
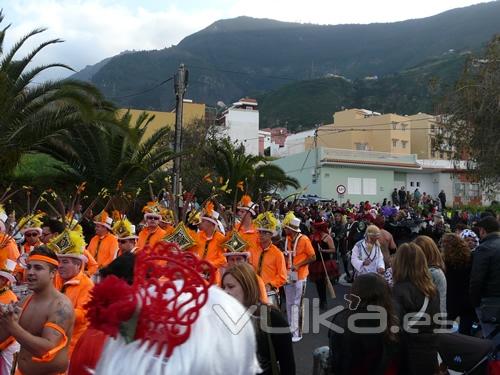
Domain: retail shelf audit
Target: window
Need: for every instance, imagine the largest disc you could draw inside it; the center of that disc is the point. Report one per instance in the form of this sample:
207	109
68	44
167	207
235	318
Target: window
403	144
353	185
411	183
403	127
418	183
369	186
394	125
394	142
474	190
459	189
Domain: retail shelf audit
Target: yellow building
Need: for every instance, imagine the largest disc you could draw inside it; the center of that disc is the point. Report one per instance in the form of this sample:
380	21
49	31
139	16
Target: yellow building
424	128
192	112
360	129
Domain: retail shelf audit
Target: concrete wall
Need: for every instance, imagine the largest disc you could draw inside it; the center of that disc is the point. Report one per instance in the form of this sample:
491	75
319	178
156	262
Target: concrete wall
302	167
425	182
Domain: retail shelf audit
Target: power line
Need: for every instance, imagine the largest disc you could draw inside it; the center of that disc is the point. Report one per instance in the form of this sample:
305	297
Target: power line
143	91
333	128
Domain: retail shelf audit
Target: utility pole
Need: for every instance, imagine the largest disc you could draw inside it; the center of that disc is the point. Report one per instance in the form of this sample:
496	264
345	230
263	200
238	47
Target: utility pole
180	85
316	161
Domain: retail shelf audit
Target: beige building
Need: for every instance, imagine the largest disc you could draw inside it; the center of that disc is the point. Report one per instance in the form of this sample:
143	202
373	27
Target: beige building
424	128
192	112
364	130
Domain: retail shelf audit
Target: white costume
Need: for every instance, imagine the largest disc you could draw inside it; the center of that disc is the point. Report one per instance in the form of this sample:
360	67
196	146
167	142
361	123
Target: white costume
360	254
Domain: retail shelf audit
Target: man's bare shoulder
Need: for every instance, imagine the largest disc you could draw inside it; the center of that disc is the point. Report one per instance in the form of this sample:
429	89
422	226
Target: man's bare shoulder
61	312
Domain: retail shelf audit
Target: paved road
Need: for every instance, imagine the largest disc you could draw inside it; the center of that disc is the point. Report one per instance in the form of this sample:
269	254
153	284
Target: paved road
303	349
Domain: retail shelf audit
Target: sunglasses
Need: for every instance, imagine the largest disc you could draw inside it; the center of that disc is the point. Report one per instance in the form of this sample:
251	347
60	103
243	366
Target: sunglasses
122	241
32	234
153	218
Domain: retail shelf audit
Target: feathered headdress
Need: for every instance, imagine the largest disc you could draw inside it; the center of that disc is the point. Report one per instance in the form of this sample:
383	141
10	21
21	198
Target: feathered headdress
31	223
124	229
68	244
104	219
266	222
246	204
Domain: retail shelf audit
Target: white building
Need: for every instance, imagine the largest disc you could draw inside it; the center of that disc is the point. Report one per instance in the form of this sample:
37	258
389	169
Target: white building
264	141
240	123
294	144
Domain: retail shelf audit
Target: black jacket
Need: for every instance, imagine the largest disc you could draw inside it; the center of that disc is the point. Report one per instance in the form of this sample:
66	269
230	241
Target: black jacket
419	349
485	274
360	353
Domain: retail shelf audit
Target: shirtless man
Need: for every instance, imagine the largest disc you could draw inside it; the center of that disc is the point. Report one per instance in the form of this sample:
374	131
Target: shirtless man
43	326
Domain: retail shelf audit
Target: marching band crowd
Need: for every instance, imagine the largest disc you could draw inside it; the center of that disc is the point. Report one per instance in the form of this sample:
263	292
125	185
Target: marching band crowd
82	294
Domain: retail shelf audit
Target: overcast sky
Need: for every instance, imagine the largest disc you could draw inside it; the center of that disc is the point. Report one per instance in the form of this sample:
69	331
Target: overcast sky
96	29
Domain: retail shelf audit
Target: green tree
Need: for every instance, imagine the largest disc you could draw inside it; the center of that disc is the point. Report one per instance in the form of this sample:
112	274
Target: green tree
102	156
234	166
472	121
30	114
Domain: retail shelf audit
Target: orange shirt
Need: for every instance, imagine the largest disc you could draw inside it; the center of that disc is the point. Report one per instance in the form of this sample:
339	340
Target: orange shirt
91	267
147	237
169	229
271	266
78	291
303	251
26	248
210	250
251	236
10	246
103	249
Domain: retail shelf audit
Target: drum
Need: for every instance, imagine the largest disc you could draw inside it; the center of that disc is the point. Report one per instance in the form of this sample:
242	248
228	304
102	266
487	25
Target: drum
273	297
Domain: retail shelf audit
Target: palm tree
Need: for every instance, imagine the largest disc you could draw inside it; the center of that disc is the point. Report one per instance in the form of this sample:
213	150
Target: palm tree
30	114
259	177
103	156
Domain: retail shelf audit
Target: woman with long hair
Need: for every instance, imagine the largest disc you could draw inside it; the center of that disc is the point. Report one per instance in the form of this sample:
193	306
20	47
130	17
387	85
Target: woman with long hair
360	352
417	298
324	249
436	267
458	261
274	346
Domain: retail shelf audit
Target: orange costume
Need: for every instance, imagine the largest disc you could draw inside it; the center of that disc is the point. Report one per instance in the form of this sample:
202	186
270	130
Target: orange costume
91	267
103	249
211	249
299	250
251	236
78	292
6	297
26	248
148	237
10	245
270	265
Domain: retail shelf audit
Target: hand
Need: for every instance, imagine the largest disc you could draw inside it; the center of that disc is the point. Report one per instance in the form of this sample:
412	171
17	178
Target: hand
366	262
380	270
10	316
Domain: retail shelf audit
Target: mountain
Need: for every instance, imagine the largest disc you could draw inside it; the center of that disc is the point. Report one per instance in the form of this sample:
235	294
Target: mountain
302	105
245	56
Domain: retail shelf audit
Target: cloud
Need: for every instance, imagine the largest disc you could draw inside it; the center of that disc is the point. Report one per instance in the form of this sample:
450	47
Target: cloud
96	29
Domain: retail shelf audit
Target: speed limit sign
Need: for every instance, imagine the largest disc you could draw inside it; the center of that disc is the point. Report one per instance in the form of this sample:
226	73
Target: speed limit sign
341	189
